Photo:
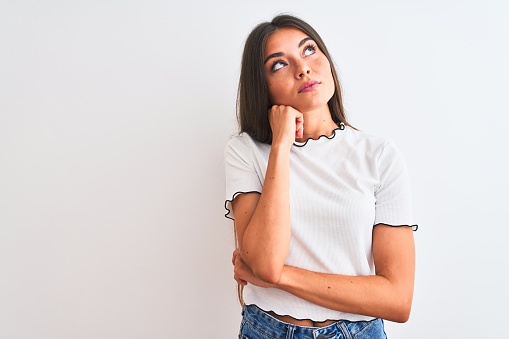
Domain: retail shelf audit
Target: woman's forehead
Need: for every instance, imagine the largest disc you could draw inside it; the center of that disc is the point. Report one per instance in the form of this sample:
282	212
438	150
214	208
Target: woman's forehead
284	38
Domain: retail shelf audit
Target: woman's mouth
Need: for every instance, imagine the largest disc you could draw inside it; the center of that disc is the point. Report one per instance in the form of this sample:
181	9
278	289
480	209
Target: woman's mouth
309	86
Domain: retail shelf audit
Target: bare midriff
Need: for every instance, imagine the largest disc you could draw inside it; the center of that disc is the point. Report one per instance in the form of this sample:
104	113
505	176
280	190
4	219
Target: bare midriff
301	322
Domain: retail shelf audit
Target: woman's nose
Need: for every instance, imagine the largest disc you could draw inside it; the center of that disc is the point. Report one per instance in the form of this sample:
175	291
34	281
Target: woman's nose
302	70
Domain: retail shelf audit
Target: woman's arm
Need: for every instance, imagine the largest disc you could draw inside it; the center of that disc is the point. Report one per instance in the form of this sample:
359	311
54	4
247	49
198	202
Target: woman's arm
262	221
387	294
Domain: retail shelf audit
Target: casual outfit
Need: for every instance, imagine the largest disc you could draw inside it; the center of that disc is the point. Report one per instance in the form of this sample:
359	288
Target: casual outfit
340	187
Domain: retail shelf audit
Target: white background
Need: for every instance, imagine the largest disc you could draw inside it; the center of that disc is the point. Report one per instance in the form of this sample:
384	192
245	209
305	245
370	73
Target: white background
113	120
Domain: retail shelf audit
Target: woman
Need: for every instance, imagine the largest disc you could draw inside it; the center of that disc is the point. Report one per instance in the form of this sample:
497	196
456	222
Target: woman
319	207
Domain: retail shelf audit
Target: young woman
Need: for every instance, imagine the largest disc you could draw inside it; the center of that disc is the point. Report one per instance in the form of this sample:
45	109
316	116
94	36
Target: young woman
321	210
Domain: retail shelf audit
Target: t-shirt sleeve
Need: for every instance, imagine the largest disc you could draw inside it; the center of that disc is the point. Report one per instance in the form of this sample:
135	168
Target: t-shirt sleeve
241	175
393	205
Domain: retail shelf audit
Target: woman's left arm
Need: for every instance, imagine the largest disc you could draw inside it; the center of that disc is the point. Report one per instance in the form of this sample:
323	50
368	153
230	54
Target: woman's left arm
387	294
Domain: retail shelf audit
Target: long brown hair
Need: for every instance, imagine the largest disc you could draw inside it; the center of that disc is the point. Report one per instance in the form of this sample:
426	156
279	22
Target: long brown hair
253	99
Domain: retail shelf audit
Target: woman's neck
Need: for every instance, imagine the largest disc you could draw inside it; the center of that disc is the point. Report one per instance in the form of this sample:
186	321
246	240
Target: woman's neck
317	123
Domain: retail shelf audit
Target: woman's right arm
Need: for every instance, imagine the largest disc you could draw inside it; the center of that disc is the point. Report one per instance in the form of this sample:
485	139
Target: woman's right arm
262	221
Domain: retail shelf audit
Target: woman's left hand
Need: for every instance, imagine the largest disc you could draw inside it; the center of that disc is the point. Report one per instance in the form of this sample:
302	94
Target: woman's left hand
243	274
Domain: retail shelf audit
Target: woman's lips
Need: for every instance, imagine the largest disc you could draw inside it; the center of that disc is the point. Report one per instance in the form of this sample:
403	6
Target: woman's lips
309	86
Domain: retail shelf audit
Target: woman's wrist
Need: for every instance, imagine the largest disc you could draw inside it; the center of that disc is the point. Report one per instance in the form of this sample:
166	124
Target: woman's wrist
281	146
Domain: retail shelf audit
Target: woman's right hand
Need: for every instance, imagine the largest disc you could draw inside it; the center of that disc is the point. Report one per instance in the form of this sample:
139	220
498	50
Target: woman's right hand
286	123
243	274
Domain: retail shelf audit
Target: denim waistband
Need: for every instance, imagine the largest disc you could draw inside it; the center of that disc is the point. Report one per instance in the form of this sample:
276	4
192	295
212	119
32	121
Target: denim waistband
271	327
257	316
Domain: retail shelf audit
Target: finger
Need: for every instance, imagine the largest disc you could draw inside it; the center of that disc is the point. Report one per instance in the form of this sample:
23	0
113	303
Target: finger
299	128
239	281
237	276
299	134
235	254
272	109
299	118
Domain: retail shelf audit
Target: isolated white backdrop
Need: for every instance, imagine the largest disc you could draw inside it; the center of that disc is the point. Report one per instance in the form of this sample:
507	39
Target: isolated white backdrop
113	119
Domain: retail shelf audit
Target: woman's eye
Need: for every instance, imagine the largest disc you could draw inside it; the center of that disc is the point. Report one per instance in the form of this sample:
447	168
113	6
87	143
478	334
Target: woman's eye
277	65
309	50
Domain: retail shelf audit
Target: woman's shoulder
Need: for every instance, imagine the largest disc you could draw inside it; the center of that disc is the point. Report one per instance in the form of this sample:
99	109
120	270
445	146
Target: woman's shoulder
241	140
382	149
243	143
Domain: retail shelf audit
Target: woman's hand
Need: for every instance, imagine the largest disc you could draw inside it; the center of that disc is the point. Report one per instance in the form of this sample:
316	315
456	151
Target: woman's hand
286	123
243	274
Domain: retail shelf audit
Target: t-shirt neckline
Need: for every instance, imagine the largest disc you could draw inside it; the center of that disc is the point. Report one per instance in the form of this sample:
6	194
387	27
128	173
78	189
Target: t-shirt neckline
310	140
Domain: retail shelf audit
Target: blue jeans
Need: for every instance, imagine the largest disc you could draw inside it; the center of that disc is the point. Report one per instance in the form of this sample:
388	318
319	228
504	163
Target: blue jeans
257	324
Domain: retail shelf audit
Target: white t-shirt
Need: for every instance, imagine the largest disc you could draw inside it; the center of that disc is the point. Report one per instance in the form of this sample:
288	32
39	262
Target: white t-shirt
340	187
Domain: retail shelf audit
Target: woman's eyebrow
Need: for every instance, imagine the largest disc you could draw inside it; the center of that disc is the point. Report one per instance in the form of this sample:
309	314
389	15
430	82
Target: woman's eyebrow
304	40
273	55
280	54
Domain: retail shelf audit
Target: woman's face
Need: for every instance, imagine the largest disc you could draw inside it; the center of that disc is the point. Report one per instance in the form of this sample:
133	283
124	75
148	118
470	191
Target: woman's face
298	73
